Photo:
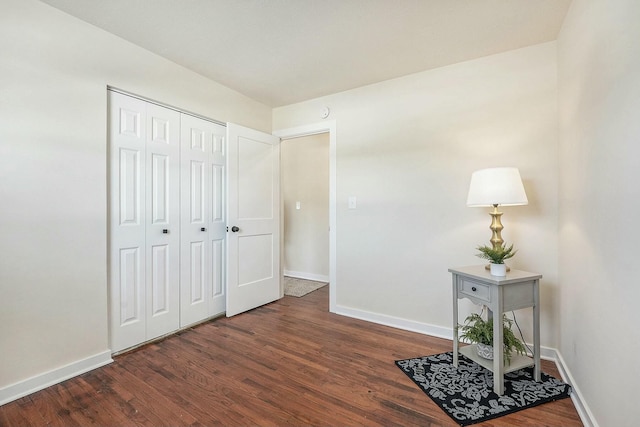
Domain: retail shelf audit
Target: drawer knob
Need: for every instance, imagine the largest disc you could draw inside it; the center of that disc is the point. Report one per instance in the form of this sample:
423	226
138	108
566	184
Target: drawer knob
473	289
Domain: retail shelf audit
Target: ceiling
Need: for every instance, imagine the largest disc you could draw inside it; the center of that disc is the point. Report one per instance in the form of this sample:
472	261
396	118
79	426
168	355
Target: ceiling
281	52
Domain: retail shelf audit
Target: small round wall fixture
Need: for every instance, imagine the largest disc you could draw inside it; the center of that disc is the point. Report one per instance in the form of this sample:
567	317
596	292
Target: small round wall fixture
325	112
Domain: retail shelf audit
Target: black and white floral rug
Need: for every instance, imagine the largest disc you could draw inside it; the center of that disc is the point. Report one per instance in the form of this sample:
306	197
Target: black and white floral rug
466	392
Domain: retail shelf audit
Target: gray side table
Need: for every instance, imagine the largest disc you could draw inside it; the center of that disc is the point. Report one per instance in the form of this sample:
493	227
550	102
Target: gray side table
518	289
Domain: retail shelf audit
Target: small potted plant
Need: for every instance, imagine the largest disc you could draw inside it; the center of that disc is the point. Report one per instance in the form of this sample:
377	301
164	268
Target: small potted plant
479	331
496	257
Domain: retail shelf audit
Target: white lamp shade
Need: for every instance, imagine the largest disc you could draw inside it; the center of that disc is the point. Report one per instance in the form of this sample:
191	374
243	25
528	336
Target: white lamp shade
496	186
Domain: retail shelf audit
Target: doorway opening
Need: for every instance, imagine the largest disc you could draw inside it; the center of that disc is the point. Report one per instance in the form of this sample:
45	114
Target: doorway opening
302	209
304	165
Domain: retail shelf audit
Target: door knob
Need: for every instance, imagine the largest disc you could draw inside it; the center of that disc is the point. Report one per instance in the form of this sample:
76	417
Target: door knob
235	229
203	229
165	231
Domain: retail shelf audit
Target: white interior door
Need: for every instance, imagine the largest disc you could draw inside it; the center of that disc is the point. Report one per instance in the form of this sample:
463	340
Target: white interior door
127	136
162	221
203	230
144	267
253	274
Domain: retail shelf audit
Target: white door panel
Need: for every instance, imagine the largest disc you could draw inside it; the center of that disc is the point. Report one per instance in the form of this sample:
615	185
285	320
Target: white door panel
218	269
162	221
255	179
218	221
143	220
202	219
127	135
130	290
253	250
255	258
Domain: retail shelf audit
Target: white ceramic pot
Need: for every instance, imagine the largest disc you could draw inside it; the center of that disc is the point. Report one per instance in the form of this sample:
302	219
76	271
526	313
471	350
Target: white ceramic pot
485	351
498	269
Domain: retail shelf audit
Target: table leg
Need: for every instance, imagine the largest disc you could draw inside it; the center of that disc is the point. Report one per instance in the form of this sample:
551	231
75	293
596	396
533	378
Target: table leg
455	321
536	331
498	353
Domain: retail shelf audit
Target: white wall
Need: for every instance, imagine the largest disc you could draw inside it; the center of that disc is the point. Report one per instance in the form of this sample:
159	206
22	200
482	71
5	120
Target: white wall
406	149
599	88
54	71
304	165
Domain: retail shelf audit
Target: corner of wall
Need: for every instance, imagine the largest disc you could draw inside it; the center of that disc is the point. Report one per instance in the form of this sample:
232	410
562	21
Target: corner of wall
576	396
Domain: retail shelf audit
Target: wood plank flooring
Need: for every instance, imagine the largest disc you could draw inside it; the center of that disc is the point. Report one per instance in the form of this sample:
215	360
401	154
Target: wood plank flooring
290	363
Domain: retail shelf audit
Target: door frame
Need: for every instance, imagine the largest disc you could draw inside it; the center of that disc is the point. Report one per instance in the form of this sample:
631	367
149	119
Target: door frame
328	126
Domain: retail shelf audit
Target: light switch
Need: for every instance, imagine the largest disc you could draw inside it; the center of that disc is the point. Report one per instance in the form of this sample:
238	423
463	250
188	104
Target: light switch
297	205
352	202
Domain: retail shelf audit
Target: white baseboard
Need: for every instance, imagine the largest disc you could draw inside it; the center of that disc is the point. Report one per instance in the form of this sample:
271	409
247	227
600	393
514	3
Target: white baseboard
55	376
307	276
576	396
547	353
396	322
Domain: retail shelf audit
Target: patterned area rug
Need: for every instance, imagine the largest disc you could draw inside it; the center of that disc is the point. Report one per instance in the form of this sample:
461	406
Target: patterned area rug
466	393
300	287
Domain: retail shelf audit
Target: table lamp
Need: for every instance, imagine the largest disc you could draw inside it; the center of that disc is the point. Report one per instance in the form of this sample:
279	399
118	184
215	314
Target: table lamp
494	187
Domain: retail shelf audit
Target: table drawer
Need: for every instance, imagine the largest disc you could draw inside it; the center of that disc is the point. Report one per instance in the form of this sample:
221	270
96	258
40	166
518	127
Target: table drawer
475	290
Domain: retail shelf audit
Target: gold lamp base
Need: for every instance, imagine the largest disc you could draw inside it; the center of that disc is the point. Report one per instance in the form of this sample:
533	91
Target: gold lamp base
496	228
496	231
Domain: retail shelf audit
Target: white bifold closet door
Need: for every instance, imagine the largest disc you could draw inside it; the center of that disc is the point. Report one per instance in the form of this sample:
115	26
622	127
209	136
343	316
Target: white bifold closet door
144	235
203	213
168	216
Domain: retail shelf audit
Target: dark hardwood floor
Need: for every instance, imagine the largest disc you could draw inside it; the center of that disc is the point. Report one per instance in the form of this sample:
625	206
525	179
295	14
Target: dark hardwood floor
288	363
